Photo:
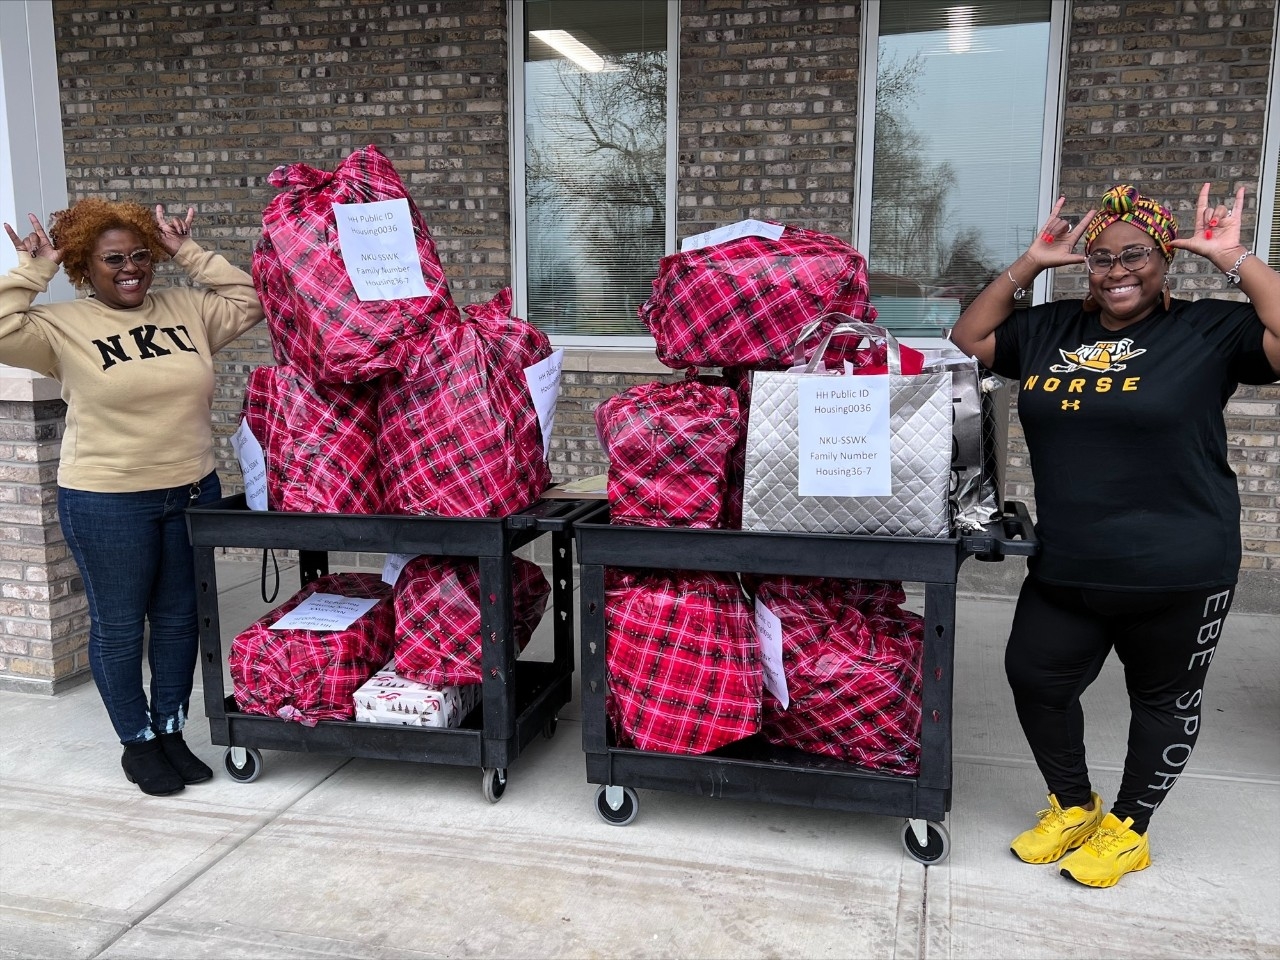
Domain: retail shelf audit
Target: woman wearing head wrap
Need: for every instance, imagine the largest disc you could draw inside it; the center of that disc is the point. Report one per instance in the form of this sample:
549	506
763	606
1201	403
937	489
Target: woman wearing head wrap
1121	401
136	370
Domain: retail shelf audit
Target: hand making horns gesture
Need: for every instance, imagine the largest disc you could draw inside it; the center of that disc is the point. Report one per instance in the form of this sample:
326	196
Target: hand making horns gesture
173	231
36	243
1055	246
1216	229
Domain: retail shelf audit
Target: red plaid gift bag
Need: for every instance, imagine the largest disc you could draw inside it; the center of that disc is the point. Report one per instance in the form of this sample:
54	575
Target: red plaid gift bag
851	657
682	662
437	609
318	323
273	292
309	675
743	302
669	447
459	434
319	441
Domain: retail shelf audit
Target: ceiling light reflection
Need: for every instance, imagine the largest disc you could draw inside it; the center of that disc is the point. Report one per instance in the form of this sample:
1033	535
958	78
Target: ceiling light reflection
567	45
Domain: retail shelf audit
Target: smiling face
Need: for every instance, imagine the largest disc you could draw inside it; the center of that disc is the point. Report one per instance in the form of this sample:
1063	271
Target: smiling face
1126	296
120	287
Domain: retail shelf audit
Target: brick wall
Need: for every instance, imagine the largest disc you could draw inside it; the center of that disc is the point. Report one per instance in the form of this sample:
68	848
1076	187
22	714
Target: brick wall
768	113
44	637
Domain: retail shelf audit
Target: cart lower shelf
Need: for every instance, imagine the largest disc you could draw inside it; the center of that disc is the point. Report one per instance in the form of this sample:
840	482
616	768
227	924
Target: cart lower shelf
756	770
542	689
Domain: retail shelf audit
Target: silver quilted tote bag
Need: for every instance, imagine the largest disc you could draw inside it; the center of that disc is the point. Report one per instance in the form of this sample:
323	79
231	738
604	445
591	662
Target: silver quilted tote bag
920	441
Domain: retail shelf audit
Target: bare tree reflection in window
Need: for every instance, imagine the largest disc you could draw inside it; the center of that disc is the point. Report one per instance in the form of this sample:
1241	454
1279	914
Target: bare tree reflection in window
596	191
910	194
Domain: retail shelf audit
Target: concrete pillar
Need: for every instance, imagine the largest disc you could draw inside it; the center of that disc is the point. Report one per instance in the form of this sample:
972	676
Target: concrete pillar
44	633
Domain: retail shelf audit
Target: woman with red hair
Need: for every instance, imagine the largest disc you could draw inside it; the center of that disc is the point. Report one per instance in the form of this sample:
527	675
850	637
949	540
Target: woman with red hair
136	369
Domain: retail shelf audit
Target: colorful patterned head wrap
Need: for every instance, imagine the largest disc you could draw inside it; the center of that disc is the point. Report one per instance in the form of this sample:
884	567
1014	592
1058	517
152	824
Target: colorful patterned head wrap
1126	203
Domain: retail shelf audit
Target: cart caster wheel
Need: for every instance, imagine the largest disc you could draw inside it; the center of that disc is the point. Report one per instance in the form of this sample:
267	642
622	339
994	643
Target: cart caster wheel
937	844
628	805
549	728
246	767
494	782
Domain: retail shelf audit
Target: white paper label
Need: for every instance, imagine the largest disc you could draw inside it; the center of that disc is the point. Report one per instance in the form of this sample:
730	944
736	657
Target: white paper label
743	228
843	427
379	249
543	379
769	632
394	566
324	611
253	466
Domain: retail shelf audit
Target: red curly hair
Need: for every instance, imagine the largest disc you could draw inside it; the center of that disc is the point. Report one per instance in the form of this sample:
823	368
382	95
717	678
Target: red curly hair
75	231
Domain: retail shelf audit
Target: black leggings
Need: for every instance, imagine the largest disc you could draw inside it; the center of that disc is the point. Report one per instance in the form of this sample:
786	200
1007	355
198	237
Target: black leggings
1060	638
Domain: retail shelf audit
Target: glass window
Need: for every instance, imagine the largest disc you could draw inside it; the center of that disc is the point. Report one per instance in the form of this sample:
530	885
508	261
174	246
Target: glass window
958	149
595	166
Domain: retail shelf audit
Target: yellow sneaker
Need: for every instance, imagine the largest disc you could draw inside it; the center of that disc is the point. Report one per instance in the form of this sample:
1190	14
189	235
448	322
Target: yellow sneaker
1109	854
1057	832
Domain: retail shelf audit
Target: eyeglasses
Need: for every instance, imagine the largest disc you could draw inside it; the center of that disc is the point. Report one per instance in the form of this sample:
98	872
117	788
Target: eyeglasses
1131	258
115	261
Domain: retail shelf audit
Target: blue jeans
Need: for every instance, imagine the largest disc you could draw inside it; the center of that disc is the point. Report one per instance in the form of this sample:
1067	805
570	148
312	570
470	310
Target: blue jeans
136	562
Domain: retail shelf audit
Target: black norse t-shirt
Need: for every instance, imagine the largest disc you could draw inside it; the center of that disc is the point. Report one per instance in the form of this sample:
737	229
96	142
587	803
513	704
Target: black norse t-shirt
1127	440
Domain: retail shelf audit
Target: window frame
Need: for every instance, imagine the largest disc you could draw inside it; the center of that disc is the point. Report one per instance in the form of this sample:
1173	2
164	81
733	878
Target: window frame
519	218
1268	220
1050	133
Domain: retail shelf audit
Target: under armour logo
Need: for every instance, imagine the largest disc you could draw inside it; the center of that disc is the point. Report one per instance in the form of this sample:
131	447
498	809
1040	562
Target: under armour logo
1070	404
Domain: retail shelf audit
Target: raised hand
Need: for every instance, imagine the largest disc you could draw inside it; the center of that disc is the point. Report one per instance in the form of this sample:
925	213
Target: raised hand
36	243
173	230
1216	231
1056	243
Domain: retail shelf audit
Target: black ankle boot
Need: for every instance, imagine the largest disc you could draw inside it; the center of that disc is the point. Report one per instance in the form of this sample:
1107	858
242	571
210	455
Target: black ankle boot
187	765
144	764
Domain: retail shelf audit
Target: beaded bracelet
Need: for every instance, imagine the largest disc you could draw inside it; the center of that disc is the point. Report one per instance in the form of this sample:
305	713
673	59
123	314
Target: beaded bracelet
1232	275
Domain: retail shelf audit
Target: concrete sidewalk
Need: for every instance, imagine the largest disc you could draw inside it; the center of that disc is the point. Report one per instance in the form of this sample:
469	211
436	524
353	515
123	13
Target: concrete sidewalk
341	857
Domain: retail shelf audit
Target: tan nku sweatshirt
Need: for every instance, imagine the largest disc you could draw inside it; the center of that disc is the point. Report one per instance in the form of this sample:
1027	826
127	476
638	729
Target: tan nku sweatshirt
138	383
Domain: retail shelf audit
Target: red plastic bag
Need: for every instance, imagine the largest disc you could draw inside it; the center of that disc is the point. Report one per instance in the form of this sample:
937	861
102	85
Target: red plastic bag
459	434
669	447
874	359
308	675
743	302
682	662
319	442
316	321
437	608
851	657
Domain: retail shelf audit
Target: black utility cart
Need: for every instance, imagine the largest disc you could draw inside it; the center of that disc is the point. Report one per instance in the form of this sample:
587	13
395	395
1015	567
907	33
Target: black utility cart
754	769
520	698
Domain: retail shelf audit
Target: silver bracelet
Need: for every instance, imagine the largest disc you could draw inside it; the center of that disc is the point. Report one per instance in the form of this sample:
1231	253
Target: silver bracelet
1232	275
1019	291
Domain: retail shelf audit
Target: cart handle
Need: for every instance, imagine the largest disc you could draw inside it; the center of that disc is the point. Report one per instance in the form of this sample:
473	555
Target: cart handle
1019	528
1012	534
553	515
